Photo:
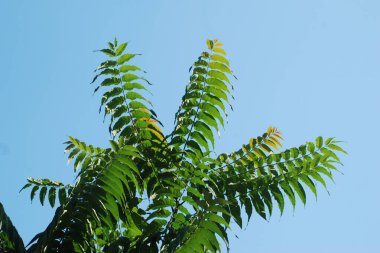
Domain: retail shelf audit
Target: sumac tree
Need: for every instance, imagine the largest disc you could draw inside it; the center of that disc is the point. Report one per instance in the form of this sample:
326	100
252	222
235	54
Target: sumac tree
151	191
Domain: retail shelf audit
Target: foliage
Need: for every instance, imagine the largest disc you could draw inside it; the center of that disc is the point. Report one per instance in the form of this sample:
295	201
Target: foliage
10	240
156	192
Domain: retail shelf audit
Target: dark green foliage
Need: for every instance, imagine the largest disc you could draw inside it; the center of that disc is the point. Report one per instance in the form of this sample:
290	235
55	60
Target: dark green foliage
151	192
10	240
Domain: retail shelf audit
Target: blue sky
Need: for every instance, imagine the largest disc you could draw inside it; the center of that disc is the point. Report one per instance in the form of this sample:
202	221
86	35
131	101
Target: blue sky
307	67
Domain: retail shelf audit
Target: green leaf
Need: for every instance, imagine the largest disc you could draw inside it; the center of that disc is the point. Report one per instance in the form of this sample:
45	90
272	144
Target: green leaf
107	52
248	207
78	160
110	81
33	192
112	93
319	142
210	44
199	138
337	148
73	154
215	101
289	192
217	219
212	227
195	192
317	177
52	192
127	161
107	71
25	186
267	198
329	140
309	183
259	205
131	86
218	83
134	95
220	58
219	50
112	207
220	66
209	120
325	172
160	213
121	49
126	68
212	110
191	202
216	92
120	123
107	64
299	190
205	130
62	196
218	75
43	194
124	58
130	77
310	147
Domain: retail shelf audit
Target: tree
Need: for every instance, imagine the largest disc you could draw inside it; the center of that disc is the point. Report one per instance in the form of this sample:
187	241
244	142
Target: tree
151	192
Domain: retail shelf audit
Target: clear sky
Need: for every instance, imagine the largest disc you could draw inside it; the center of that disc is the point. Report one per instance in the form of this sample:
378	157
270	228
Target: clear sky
307	67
